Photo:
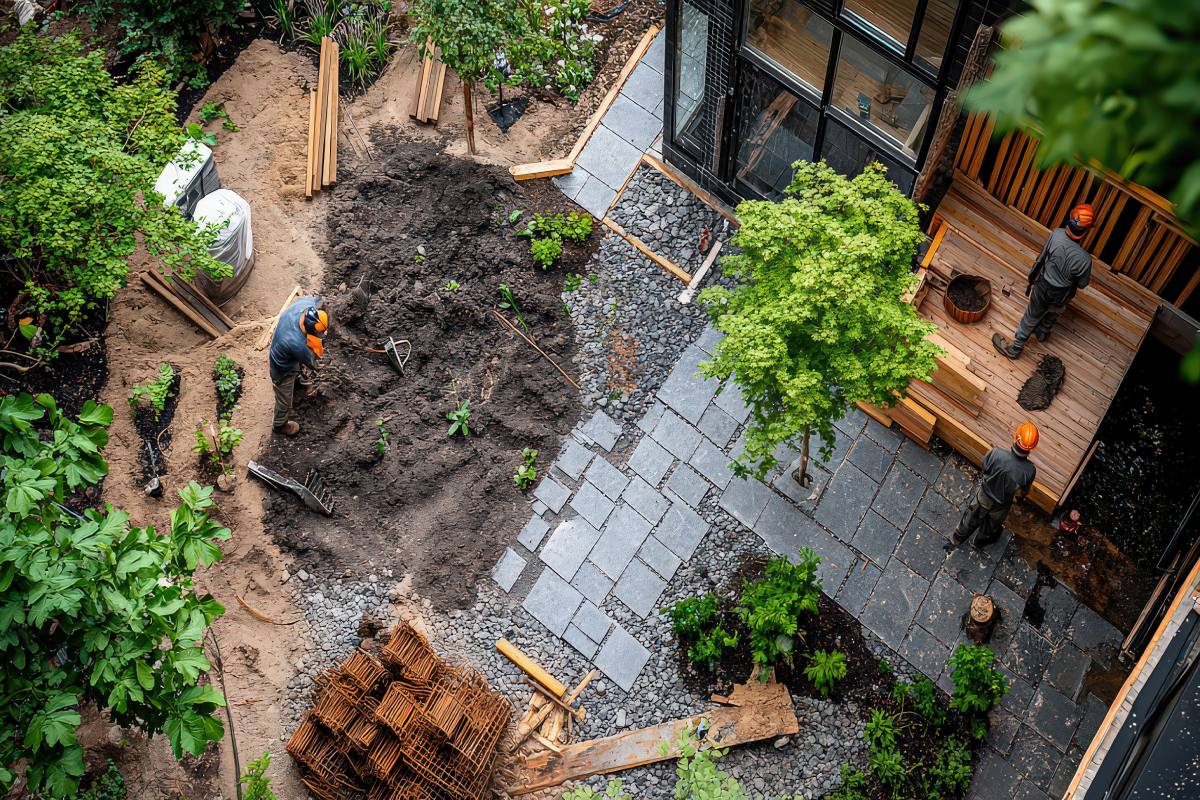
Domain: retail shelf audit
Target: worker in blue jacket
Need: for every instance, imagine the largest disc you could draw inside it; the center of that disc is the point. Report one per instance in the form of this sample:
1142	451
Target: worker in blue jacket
298	340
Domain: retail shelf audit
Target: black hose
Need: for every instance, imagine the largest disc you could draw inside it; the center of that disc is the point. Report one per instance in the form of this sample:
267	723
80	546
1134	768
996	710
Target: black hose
607	16
237	763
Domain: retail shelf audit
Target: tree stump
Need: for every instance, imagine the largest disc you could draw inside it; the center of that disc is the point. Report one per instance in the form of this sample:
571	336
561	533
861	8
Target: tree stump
981	619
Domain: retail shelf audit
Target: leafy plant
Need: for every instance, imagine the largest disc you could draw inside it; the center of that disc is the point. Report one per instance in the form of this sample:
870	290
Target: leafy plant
887	765
697	622
451	285
548	232
854	785
571	282
771	607
526	474
198	133
556	48
108	786
228	438
156	392
381	443
258	785
612	791
320	24
227	375
545	251
880	730
818	321
697	775
509	301
950	773
459	418
977	684
202	447
119	600
923	695
825	669
211	111
284	18
216	453
514	215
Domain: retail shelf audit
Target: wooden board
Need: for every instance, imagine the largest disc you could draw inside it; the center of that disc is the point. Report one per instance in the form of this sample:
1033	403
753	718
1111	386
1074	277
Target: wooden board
770	716
161	289
541	169
665	263
265	339
312	141
427	103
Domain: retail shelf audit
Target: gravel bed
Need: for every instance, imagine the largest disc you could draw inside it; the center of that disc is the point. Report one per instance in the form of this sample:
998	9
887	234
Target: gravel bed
667	218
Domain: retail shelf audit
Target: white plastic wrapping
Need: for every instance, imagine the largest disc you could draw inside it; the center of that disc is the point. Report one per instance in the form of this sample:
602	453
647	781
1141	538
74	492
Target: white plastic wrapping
188	177
229	214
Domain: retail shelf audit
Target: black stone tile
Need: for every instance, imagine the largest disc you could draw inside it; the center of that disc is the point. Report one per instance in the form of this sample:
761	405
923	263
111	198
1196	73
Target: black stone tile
1065	772
876	538
1028	655
1095	635
887	438
994	777
1027	790
1058	604
840	447
971	567
940	513
1068	665
925	652
892	606
1009	605
1019	694
924	462
1053	715
872	459
845	501
1002	730
860	582
942	611
1094	710
1033	757
898	495
922	548
851	424
957	481
1016	573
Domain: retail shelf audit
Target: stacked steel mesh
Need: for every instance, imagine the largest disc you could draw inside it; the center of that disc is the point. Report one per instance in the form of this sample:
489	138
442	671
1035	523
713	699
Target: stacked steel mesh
407	727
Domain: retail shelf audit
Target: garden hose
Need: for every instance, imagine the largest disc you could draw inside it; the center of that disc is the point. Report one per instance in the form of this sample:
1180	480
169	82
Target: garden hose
607	16
237	764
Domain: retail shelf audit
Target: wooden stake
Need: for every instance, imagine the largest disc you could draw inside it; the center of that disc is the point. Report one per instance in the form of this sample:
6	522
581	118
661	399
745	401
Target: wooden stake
312	139
530	667
541	690
523	731
468	107
531	343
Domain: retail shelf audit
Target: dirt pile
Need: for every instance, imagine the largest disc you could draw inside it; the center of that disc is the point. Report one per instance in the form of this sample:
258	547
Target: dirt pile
418	246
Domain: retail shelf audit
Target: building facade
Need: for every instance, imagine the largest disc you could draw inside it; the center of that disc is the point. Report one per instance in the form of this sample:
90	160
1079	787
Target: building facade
755	85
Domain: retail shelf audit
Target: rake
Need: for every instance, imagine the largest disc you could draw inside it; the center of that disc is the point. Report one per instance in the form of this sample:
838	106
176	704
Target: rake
315	494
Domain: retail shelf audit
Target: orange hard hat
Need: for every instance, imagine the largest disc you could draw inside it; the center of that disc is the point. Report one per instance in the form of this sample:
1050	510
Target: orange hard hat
1026	437
1082	217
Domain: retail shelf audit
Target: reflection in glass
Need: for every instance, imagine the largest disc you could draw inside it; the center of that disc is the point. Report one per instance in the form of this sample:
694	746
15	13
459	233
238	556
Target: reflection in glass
891	18
935	32
869	87
848	154
690	62
792	36
777	129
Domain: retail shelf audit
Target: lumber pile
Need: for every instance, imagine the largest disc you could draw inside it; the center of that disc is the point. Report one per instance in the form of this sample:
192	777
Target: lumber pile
190	302
552	714
427	100
323	106
402	725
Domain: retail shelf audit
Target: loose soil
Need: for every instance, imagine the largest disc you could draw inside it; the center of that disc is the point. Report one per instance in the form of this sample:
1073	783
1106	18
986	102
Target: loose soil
1039	391
965	295
434	507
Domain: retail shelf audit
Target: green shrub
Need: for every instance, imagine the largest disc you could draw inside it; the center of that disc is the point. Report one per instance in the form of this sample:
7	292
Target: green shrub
156	392
526	474
228	378
697	776
108	786
545	251
555	49
923	695
880	730
697	623
364	31
887	765
825	669
547	232
258	785
584	792
771	607
950	773
978	686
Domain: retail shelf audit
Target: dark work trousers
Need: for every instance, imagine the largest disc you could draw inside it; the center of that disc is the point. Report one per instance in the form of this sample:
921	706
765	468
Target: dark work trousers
984	515
285	387
1046	302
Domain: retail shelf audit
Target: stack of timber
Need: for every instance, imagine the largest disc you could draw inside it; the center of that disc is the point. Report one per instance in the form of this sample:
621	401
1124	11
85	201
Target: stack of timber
427	102
323	107
190	302
551	717
402	725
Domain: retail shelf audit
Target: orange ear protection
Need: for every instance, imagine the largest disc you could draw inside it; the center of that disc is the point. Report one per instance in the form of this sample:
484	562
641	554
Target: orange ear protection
315	324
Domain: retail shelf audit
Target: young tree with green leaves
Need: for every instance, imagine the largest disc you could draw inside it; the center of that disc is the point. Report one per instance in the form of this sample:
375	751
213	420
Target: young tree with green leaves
79	155
469	34
817	321
93	610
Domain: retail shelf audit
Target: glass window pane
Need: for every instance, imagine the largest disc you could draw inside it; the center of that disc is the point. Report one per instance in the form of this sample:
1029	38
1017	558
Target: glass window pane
935	32
848	153
793	36
871	88
691	59
776	130
892	18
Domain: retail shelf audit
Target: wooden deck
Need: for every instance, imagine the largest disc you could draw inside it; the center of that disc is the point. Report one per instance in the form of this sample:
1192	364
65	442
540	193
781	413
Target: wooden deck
1097	338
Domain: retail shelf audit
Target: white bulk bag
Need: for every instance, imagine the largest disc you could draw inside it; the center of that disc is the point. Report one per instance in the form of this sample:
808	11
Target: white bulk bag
228	214
188	177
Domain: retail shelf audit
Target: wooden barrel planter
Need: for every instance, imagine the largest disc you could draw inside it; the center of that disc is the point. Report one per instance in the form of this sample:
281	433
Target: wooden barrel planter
966	310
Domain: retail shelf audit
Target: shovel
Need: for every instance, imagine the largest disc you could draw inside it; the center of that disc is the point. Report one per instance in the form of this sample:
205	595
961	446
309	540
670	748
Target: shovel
313	492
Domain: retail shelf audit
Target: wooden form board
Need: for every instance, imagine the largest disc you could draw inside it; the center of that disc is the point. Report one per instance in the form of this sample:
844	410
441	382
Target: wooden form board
769	715
665	263
190	302
427	103
323	108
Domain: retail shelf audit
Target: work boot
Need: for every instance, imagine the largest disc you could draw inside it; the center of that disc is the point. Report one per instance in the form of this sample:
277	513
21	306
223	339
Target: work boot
1042	337
1004	348
290	429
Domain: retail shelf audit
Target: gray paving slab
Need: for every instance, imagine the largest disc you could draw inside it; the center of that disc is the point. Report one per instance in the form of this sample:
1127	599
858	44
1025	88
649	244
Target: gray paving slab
1028	790
845	501
872	459
580	641
568	546
718	426
552	493
552	602
631	122
571	183
1019	695
1059	605
532	534
592	583
859	583
656	54
676	435
508	569
591	504
650	418
1014	571
650	460
836	558
593	622
646	500
1003	727
923	650
804	497
957	480
686	390
659	557
745	499
939	513
839	449
608	158
1054	715
942	611
540	508
993	779
876	538
731	401
1028	654
1009	604
899	495
639	587
619	541
1068	665
607	478
1065	773
601	429
887	438
852	422
971	567
687	485
1094	635
681	530
709	338
921	548
711	462
782	526
893	605
1033	757
622	658
645	87
924	462
594	196
573	459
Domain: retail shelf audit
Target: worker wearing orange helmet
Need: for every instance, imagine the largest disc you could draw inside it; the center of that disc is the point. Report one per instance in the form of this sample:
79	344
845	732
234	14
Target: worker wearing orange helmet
1062	269
1007	473
299	339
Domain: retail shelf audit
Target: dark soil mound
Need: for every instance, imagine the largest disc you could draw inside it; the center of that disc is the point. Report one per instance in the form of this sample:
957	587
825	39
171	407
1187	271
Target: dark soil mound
966	295
440	509
1039	391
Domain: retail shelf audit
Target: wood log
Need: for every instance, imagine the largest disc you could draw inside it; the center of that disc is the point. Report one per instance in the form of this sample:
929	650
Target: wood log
981	619
531	667
523	731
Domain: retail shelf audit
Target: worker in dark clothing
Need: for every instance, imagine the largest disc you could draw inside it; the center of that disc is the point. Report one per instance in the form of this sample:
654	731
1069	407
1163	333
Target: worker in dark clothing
1062	269
298	340
1006	473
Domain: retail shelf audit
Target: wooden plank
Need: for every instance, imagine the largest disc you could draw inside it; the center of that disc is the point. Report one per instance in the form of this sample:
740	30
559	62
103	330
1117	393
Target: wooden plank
876	413
183	308
770	717
594	121
435	105
331	91
319	159
265	339
312	136
665	263
1188	289
541	169
985	138
422	82
913	419
999	163
531	667
687	294
335	103
199	301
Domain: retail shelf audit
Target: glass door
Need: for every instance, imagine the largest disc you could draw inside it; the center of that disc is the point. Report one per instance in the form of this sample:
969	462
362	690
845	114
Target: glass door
775	129
691	65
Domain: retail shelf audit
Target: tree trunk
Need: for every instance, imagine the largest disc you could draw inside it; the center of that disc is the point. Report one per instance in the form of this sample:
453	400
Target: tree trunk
469	98
800	473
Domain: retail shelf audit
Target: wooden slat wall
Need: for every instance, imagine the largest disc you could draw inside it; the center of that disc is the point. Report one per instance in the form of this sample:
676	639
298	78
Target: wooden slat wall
1135	232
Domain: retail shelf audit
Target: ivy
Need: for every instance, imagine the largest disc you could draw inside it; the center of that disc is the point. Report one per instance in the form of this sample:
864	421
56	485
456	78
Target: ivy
79	156
91	608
